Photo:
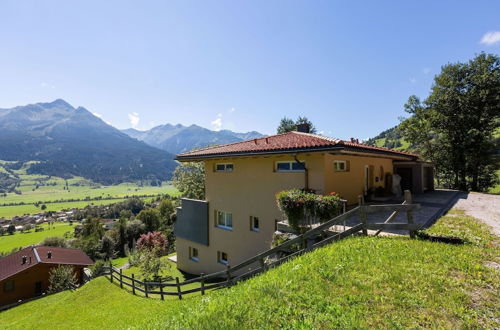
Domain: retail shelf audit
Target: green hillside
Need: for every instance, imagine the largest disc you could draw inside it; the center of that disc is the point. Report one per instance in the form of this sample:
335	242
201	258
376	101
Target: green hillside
390	138
356	283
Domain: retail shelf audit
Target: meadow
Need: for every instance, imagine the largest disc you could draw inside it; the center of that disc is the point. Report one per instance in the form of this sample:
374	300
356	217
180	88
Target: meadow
359	282
59	193
9	242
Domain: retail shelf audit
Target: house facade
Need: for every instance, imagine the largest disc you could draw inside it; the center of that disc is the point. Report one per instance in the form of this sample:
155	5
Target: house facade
25	274
238	217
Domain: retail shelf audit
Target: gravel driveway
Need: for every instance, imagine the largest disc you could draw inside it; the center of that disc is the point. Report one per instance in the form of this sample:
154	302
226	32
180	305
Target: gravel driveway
484	207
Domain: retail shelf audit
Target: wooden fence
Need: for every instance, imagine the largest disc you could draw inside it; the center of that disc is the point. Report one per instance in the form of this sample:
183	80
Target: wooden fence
303	243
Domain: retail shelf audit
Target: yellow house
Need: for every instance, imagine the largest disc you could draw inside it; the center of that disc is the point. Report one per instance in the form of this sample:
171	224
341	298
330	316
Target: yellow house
238	217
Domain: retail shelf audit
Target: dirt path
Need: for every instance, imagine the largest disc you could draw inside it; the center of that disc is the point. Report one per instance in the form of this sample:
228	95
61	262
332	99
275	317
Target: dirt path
484	207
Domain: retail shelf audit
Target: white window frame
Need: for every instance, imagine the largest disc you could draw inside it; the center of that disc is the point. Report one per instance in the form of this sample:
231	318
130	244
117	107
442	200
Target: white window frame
252	224
291	170
228	167
227	219
336	164
220	259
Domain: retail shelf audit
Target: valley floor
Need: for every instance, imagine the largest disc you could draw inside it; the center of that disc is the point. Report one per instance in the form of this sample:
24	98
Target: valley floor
359	282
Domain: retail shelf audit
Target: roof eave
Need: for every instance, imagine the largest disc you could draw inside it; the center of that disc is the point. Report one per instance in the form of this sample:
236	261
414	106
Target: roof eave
188	158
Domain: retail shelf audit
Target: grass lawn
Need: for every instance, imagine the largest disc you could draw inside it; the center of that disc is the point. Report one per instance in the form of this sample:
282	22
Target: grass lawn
9	242
360	282
496	189
10	211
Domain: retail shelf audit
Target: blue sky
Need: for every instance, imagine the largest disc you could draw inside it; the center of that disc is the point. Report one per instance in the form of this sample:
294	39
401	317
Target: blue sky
240	65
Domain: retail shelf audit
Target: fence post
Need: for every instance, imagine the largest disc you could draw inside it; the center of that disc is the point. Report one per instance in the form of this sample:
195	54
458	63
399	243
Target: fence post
179	293
202	281
161	289
262	264
362	214
146	288
133	284
228	275
110	272
121	278
409	214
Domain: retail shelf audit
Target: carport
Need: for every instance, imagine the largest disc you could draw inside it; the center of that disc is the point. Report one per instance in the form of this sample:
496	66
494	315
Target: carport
416	176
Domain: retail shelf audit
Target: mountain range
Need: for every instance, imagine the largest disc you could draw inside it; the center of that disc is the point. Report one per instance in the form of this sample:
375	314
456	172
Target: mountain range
72	141
178	138
67	141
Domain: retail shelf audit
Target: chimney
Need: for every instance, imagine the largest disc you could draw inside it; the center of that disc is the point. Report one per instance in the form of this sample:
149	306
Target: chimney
353	140
304	128
25	258
49	255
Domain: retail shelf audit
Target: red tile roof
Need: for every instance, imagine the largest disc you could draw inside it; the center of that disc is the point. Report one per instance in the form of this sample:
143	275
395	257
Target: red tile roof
287	142
12	264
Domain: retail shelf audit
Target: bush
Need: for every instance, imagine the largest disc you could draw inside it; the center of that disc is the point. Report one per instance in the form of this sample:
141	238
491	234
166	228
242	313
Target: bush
55	242
301	206
62	278
98	269
154	241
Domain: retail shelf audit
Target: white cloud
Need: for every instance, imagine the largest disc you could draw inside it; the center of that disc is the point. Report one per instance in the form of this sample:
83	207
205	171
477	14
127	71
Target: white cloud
413	80
217	122
232	110
491	38
134	119
44	84
98	115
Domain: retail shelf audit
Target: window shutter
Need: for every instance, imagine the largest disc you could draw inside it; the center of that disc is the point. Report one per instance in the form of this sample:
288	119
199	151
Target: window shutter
347	165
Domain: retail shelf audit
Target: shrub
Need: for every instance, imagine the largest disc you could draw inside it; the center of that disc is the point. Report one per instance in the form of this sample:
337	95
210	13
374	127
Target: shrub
98	269
300	206
154	241
61	278
55	242
151	264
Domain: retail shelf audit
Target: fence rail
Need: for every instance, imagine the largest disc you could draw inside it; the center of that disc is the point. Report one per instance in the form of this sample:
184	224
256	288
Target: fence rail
277	255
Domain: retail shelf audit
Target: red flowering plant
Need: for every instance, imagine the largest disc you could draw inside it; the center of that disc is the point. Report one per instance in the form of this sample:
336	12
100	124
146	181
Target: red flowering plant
152	242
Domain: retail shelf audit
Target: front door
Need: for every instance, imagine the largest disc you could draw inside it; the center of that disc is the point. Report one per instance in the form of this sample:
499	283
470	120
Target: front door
38	288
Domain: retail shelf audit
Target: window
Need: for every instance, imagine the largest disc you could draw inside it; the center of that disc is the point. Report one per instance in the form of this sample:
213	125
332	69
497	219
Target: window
222	257
227	167
193	254
340	165
223	220
8	286
290	166
254	223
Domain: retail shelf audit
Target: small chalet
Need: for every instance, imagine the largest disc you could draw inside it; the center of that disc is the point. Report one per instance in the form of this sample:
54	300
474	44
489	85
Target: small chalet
25	274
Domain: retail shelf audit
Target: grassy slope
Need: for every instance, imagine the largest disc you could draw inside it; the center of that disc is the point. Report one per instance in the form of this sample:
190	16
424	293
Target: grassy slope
359	282
9	242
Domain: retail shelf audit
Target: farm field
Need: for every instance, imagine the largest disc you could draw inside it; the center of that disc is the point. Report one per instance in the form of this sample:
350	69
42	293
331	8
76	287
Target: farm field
360	282
11	211
58	193
9	242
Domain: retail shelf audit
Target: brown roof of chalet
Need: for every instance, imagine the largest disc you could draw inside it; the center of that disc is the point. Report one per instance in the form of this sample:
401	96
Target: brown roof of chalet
12	264
288	142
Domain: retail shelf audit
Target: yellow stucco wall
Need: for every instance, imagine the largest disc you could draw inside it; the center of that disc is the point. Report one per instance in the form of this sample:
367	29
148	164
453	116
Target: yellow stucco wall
351	184
250	191
247	191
